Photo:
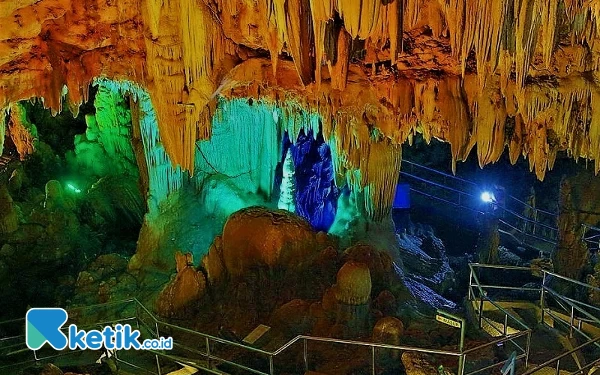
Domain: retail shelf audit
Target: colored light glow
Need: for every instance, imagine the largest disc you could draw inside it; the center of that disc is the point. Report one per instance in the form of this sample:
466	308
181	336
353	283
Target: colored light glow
487	197
73	188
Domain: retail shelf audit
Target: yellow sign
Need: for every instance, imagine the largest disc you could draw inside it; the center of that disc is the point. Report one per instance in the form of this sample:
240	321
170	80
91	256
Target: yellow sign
450	322
256	334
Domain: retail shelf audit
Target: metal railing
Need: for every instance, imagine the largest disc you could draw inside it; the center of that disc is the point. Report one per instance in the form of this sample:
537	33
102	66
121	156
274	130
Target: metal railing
187	351
556	361
201	350
571	313
478	292
198	350
516	216
591	236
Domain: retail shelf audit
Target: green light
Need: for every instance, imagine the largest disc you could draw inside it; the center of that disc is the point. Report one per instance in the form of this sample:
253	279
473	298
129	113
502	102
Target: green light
73	188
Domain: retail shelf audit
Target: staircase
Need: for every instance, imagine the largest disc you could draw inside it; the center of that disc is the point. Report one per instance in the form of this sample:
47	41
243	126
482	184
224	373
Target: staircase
563	330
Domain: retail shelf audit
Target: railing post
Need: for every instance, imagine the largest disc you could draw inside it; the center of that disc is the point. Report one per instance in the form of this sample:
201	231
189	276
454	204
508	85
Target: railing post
208	352
542	303
271	366
571	322
461	364
470	291
558	367
527	349
373	360
157	359
137	315
305	354
505	324
480	311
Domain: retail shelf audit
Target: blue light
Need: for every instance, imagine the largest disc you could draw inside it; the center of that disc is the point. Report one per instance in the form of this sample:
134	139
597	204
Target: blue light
487	197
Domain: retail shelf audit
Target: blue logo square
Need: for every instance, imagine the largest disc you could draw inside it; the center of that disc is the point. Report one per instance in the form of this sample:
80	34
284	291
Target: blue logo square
42	325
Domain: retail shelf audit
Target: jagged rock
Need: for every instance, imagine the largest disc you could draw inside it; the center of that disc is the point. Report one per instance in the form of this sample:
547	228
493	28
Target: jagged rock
329	301
212	262
6	251
539	264
425	260
182	295
594	280
509	258
259	237
50	369
386	303
54	195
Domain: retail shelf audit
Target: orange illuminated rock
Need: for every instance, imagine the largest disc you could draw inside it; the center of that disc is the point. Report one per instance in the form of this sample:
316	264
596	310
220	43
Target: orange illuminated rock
212	262
181	296
259	237
491	74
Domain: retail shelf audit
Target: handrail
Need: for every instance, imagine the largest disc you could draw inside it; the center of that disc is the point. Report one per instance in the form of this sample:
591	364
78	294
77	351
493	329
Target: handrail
497	341
528	234
437	184
500	266
551	231
270	354
439	172
572	280
445	200
570	306
558	358
500	308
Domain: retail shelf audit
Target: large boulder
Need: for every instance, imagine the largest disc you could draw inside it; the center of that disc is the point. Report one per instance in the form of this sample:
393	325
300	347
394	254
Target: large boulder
258	237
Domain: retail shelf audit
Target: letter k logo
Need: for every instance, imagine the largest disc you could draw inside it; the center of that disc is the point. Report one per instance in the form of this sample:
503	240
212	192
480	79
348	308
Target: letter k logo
42	325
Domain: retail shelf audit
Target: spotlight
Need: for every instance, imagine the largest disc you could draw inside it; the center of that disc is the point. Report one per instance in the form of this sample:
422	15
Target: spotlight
487	197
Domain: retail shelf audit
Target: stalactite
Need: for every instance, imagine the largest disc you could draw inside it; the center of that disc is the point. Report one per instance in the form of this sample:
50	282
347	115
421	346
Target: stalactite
251	133
22	132
162	176
475	73
322	11
2	129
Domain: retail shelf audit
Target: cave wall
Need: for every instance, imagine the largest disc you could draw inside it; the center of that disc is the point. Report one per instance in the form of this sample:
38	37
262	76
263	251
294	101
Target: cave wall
496	74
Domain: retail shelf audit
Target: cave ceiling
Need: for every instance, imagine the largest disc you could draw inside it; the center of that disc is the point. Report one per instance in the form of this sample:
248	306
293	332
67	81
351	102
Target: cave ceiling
503	75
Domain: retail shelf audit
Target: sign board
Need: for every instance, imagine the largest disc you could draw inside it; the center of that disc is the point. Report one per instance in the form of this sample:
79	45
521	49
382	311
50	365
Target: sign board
256	334
449	321
509	366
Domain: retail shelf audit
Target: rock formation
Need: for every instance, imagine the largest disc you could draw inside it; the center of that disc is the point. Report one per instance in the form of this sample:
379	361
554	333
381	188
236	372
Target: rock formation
486	74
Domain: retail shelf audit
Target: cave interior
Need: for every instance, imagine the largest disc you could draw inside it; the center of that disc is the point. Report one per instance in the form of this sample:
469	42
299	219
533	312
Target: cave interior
302	186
